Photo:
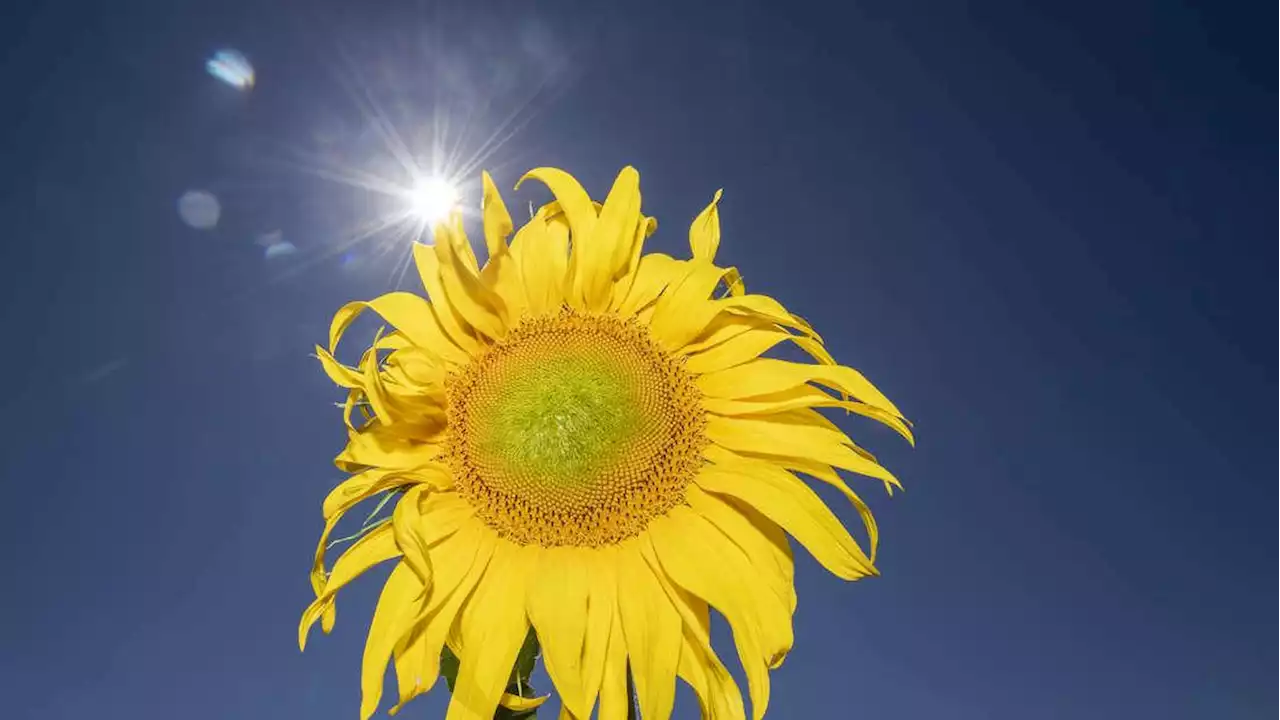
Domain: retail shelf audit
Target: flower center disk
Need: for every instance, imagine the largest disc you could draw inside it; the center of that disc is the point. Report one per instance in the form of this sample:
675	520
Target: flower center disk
575	429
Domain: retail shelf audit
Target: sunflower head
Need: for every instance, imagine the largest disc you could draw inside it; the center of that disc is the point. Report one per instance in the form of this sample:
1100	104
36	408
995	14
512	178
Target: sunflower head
591	443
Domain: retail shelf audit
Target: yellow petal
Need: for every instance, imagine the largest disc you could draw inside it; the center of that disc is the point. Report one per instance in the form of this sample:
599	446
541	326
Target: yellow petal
497	221
768	564
579	211
376	547
653	275
793	505
341	375
741	552
406	525
615	703
779	545
704	233
722	693
416	371
804	396
764	376
557	607
450	321
703	574
685	309
787	439
451	232
390	620
598	257
602	607
343	498
441	514
457	564
414	318
493	628
372	380
372	448
502	274
357	488
479	306
763	307
743	348
652	630
828	474
517	703
628	258
723	328
543	256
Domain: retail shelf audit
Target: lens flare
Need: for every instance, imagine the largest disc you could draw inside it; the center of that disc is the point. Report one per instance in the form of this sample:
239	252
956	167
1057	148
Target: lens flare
231	68
433	198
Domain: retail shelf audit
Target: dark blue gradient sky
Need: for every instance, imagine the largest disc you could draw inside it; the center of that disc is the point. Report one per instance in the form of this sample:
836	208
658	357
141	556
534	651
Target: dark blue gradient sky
1044	231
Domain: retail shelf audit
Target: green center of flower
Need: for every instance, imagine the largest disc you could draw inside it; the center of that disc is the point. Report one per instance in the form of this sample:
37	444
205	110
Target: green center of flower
573	430
563	419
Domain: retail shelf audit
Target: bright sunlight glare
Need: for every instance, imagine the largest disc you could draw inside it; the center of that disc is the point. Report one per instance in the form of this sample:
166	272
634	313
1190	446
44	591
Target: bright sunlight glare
433	199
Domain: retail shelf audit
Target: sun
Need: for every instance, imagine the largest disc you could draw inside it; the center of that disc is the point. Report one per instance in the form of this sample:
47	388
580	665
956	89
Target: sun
432	199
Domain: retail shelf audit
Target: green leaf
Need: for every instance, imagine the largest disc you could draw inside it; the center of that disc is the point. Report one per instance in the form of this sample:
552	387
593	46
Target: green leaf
526	659
449	666
518	684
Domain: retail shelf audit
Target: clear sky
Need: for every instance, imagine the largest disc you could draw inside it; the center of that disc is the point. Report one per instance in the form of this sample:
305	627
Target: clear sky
1043	231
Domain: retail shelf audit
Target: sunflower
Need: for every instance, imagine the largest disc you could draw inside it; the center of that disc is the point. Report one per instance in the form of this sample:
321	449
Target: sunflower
588	441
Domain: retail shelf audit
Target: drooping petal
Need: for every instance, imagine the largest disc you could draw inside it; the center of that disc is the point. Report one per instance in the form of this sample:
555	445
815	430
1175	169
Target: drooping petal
786	439
407	529
340	499
614	700
602	607
390	619
376	547
828	475
414	318
764	376
723	695
493	628
804	396
772	567
520	704
703	575
457	565
557	607
793	505
740	349
340	374
383	449
772	611
578	209
652	630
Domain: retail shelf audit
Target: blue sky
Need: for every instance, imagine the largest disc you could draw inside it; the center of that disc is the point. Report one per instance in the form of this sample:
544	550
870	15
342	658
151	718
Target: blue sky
1043	229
